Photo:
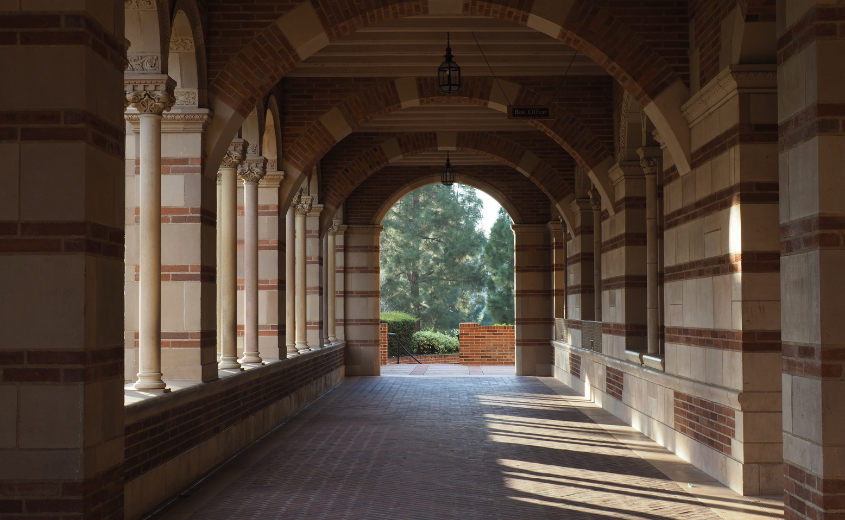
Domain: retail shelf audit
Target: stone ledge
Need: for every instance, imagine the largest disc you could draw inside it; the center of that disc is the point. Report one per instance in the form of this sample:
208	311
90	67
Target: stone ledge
151	404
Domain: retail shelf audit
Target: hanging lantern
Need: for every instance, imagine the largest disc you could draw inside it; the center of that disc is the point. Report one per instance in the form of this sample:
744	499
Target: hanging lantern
447	176
449	73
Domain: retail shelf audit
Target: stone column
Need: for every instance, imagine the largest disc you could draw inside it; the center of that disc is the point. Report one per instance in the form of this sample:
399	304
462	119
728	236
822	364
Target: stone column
302	208
331	279
290	283
533	307
271	273
811	120
250	172
579	265
314	277
339	276
557	230
228	274
595	202
361	251
650	161
218	230
150	99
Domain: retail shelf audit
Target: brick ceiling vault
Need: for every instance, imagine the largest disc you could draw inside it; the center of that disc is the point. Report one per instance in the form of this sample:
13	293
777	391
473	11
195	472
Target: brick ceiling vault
402	39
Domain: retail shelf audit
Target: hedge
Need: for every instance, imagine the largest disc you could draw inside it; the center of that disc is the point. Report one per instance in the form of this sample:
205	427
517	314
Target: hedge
430	342
403	326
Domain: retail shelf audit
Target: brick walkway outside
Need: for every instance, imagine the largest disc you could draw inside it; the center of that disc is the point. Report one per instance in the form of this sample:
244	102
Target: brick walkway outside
445	446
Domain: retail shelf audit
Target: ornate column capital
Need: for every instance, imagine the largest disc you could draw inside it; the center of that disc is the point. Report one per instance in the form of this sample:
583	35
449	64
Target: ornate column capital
252	169
650	159
334	228
595	200
234	155
303	205
149	93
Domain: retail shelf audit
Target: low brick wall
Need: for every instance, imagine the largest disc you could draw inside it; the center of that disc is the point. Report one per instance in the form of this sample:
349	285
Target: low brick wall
487	345
479	345
173	439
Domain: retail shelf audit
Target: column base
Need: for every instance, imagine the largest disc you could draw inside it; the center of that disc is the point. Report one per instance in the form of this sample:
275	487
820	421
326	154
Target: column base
303	347
292	352
149	381
228	362
252	359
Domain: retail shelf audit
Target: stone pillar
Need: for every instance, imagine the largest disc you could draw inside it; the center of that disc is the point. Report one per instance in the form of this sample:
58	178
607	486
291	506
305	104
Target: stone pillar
579	265
811	114
650	161
595	202
557	231
290	283
271	272
340	282
533	306
302	208
362	300
150	99
61	263
331	280
314	277
228	268
250	172
218	230
624	271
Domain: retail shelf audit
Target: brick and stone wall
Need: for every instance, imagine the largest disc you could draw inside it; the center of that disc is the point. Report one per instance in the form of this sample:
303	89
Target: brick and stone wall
487	345
383	343
173	439
705	421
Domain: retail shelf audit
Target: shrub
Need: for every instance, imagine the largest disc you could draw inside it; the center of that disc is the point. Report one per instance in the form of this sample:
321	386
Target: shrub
403	326
430	342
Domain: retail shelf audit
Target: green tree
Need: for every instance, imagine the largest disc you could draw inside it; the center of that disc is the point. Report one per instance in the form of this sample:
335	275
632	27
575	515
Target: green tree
498	260
431	257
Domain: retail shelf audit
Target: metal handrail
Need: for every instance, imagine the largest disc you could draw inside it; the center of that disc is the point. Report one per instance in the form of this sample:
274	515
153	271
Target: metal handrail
399	352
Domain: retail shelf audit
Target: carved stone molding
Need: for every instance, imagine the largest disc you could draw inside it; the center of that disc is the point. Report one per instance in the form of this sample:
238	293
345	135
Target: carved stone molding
143	5
181	44
746	78
650	165
272	165
623	127
252	169
582	183
143	63
252	150
595	200
187	97
334	228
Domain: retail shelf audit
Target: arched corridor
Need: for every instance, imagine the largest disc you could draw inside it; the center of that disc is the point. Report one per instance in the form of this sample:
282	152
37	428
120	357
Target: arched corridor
190	216
457	445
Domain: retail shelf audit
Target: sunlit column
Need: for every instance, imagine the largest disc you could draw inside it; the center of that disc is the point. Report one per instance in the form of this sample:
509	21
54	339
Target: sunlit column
302	208
150	99
250	172
595	202
331	280
290	283
227	278
650	164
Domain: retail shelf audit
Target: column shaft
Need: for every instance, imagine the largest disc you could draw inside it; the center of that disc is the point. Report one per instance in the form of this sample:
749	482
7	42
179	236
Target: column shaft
228	270
301	332
251	273
149	329
219	275
330	275
290	283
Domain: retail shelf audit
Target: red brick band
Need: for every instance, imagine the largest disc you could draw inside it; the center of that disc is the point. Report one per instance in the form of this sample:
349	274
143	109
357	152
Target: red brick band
818	23
811	497
736	135
812	234
61	366
705	421
629	281
813	361
61	237
625	330
624	240
575	365
742	193
756	262
742	341
814	120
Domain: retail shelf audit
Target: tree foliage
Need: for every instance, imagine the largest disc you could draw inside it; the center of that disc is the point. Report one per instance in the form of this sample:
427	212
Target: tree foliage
431	251
498	259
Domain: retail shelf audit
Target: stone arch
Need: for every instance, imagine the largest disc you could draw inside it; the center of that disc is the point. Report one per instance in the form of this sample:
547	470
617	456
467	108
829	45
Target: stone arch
507	152
147	27
466	180
252	130
271	141
338	122
187	56
590	29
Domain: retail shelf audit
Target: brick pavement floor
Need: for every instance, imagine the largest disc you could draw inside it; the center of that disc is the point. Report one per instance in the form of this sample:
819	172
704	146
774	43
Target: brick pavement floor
443	447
